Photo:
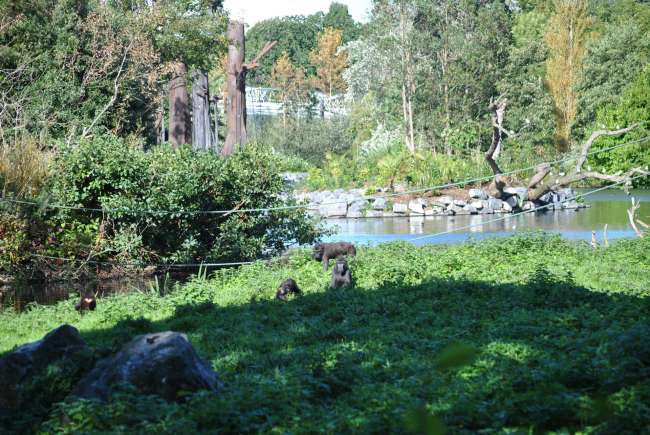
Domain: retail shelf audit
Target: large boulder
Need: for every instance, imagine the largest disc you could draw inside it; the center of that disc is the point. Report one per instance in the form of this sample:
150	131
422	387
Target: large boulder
379	204
355	210
162	363
25	371
494	204
400	208
513	202
417	205
333	209
477	194
445	200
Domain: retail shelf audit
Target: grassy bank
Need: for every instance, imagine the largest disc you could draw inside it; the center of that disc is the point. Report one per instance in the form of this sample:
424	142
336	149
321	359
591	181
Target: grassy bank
554	335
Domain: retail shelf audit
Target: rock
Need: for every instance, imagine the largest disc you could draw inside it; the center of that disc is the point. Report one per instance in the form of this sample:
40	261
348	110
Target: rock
389	214
470	209
163	363
354	214
400	208
333	209
27	366
456	209
546	198
430	212
569	193
460	202
399	188
506	207
513	202
379	204
338	192
571	205
477	194
528	205
358	205
374	213
495	204
510	190
445	199
486	210
417	206
477	204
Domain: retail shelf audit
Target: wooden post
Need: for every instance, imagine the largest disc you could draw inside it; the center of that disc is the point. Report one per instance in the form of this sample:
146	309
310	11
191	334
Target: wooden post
236	85
201	131
179	117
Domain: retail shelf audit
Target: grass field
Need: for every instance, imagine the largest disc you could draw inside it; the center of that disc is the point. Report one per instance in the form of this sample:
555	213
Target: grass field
516	335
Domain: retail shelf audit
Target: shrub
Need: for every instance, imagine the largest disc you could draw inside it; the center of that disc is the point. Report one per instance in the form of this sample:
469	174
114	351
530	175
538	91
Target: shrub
110	174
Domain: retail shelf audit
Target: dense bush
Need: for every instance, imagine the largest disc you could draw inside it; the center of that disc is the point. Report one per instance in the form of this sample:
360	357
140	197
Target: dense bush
153	197
550	335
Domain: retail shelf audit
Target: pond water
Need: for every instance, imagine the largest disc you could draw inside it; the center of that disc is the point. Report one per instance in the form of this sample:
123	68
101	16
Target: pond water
606	207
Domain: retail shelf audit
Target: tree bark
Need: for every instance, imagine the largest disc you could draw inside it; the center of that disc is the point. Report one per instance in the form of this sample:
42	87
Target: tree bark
201	131
498	109
236	85
179	117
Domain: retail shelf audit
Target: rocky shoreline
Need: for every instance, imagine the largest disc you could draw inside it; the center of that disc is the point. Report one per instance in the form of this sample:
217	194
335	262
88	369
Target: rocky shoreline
353	203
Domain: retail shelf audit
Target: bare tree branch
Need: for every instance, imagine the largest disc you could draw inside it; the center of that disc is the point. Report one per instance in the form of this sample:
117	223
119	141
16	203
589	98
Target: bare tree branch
631	215
595	135
116	88
256	61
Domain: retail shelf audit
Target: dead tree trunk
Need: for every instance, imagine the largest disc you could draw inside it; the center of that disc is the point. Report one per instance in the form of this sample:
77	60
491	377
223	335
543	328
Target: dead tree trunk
179	116
498	109
537	187
201	131
236	84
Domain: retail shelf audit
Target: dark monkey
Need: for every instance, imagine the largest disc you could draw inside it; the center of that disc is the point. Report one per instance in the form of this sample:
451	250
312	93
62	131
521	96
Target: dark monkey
87	302
341	275
287	287
324	251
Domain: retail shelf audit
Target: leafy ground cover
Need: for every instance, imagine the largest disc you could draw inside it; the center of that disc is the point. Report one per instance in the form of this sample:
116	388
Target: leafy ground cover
524	334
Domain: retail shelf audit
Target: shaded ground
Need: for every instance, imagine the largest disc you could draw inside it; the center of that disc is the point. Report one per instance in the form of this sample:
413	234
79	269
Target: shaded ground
556	338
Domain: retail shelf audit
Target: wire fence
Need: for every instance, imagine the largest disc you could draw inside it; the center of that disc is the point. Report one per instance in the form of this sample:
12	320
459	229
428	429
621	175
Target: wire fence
241	263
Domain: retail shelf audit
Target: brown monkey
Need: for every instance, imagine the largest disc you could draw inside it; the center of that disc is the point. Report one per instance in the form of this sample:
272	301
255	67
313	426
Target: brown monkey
341	274
324	251
87	302
287	287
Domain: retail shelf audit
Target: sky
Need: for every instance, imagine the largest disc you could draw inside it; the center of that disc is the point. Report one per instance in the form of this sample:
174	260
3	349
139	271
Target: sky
252	11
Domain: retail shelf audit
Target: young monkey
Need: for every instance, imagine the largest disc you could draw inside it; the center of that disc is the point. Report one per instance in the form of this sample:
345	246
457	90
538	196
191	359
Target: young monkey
87	302
341	274
287	287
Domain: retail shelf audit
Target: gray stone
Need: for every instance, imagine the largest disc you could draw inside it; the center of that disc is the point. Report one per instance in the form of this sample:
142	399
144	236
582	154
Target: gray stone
63	347
571	205
338	191
528	205
358	205
460	202
512	201
400	208
390	214
477	204
569	193
333	209
510	190
477	194
445	199
506	207
430	212
163	363
470	209
354	214
379	204
417	206
495	204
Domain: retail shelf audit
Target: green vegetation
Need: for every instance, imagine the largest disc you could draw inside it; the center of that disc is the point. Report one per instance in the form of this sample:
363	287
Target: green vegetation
109	173
523	334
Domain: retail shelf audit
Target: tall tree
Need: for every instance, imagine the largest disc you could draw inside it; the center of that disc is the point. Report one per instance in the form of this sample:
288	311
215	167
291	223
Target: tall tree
330	61
567	35
339	18
290	82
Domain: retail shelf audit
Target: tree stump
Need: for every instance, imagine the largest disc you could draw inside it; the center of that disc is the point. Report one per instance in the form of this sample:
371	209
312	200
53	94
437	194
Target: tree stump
179	117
